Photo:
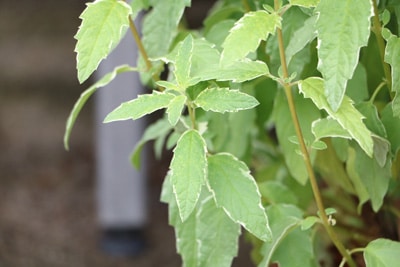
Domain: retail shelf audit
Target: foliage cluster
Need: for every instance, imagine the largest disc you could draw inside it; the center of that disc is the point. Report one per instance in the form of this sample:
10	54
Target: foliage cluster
274	110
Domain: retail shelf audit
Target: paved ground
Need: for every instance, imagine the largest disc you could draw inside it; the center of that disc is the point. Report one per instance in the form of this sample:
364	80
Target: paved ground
47	209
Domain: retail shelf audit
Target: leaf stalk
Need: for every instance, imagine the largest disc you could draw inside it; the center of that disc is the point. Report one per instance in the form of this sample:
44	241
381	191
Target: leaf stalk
313	181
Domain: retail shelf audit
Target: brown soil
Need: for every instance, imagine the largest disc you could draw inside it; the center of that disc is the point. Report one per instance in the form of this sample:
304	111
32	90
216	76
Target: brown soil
47	207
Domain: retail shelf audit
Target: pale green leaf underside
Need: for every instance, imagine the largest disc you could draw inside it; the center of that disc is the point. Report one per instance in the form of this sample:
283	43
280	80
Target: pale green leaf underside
341	34
104	23
188	171
329	127
140	106
224	100
86	95
304	3
392	56
346	115
239	71
174	109
137	6
382	252
248	32
236	191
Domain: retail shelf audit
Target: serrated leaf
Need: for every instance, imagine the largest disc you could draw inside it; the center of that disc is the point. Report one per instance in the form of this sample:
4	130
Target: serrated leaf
224	100
236	191
218	236
382	252
248	32
239	71
140	106
283	219
160	26
341	34
301	37
183	62
104	23
188	171
86	95
174	109
346	115
357	87
208	237
304	3
392	56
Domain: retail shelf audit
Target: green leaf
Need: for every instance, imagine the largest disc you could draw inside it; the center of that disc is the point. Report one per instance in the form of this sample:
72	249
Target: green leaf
325	162
137	6
372	120
341	34
309	222
86	95
357	87
329	127
277	193
285	130
392	126
160	26
183	62
375	178
235	190
248	32
218	236
304	3
174	109
392	56
188	171
283	219
208	237
224	100
382	252
299	245
139	107
239	71
159	129
359	186
301	37
104	23
346	115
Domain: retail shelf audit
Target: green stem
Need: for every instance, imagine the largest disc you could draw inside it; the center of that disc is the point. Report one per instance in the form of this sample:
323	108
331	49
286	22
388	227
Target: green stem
306	155
377	29
142	51
139	43
192	115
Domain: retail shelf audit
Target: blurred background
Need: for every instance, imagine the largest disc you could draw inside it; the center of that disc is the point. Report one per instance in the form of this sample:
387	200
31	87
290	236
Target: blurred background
47	202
